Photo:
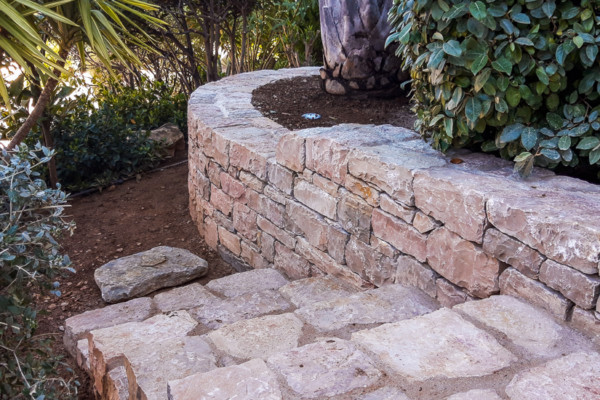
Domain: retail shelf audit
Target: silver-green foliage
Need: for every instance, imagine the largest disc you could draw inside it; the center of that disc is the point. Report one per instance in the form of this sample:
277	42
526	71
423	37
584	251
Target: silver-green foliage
521	77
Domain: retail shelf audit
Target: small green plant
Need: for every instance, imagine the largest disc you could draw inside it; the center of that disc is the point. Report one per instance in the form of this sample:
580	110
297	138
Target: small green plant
518	77
30	221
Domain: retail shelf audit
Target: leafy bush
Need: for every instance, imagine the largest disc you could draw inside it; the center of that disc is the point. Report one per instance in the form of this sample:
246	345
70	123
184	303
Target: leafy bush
518	77
103	137
30	221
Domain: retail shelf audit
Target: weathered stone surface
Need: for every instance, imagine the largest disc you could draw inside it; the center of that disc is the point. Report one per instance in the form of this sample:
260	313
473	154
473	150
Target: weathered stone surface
276	232
580	288
220	147
362	189
251	255
266	207
304	292
150	366
251	181
281	177
145	272
259	337
107	345
267	246
232	186
399	210
184	298
522	324
82	355
170	136
324	369
230	241
289	262
393	179
449	295
544	223
327	157
385	393
462	263
368	263
244	221
513	283
586	322
309	223
387	304
325	184
211	233
248	381
399	234
424	223
315	198
476	394
237	263
336	243
572	377
410	272
383	247
512	252
291	152
354	214
241	155
418	349
117	386
247	282
78	326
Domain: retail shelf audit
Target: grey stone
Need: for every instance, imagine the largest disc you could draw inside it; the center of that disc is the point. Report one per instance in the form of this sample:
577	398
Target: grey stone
512	252
304	292
170	136
255	280
258	337
572	377
145	272
385	393
580	288
324	369
117	386
476	394
184	298
248	381
387	304
437	345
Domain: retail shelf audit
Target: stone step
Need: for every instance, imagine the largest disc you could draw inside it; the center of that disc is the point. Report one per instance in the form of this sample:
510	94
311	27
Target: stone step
256	335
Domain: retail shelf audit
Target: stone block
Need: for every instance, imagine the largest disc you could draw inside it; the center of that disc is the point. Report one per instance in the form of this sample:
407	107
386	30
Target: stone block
449	295
251	380
325	184
267	246
147	271
513	283
304	292
220	200
292	264
473	352
276	232
244	221
213	172
232	186
184	298
78	326
275	195
410	272
222	221
462	263
399	234
512	252
476	394
245	158
220	150
251	254
258	337
315	198
327	157
247	282
291	152
281	177
268	208
354	214
586	322
424	223
362	189
581	289
336	243
230	241
251	181
310	224
405	213
82	355
211	233
368	263
234	261
116	385
324	369
383	247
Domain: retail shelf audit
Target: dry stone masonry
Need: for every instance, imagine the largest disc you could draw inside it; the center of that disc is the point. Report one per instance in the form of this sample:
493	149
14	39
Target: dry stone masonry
374	205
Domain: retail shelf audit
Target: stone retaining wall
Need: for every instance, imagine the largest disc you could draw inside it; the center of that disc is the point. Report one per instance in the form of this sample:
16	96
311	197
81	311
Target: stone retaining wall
375	204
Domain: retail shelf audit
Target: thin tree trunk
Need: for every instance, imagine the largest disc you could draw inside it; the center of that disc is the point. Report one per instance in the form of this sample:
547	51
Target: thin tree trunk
244	36
49	143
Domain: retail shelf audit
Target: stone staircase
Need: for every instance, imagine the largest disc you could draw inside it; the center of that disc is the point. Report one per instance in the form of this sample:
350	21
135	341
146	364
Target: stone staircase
257	336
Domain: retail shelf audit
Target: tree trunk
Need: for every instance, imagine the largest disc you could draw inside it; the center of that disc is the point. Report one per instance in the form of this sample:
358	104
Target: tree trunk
49	143
356	60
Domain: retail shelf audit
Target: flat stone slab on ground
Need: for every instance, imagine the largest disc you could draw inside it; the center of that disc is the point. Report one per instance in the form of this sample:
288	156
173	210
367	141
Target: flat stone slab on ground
523	324
145	272
248	381
258	337
324	369
387	304
78	326
572	377
437	345
184	298
476	394
149	367
385	393
304	292
255	280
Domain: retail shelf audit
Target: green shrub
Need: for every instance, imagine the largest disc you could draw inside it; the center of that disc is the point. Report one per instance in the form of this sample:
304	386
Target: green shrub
519	77
30	221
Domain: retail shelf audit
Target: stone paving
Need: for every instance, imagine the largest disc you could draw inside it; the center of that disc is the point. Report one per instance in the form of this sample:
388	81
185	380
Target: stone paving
258	336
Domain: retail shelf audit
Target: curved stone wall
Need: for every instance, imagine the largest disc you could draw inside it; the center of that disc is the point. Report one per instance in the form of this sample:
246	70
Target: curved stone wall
375	204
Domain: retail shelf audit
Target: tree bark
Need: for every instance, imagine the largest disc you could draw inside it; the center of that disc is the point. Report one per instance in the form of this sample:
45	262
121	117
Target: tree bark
49	143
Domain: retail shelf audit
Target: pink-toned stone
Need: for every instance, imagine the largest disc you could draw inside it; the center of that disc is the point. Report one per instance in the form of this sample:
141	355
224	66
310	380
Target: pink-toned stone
513	283
369	264
220	200
409	271
214	173
220	147
336	243
211	233
232	186
269	209
201	187
267	246
244	221
325	184
251	254
463	263
449	295
243	157
230	241
424	223
360	188
399	210
383	247
251	181
586	322
276	232
399	234
315	198
545	222
223	221
354	214
512	252
327	157
281	177
292	264
291	152
582	289
275	195
309	223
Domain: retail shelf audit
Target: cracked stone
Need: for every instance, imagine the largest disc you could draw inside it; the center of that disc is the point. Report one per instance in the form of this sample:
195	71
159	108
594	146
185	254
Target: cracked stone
250	281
